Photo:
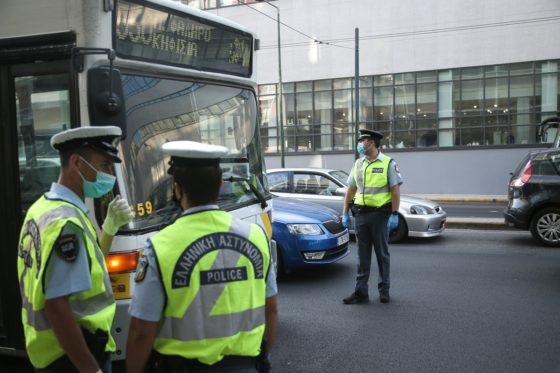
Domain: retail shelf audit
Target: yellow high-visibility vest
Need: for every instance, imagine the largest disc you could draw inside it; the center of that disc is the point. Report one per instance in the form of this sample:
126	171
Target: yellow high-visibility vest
372	183
213	267
94	309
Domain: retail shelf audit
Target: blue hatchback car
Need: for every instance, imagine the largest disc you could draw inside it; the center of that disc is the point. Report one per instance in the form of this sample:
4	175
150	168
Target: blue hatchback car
307	234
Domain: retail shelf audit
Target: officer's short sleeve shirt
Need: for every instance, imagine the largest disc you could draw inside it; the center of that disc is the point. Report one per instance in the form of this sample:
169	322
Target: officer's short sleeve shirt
149	294
63	276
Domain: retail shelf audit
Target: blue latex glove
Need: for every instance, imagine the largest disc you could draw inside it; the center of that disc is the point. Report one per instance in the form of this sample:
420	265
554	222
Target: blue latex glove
346	220
393	222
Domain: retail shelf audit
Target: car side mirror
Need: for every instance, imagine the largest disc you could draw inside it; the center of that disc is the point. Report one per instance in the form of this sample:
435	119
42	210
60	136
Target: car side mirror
340	192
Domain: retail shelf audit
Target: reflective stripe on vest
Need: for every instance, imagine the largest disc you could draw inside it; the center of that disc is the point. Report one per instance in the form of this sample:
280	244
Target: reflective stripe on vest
372	187
93	308
201	331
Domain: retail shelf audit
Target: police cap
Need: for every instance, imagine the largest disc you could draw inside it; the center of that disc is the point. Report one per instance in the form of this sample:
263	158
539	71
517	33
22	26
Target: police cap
369	134
104	139
193	154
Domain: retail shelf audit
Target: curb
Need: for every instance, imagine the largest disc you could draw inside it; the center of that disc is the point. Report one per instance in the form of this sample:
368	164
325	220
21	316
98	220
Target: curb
474	199
476	223
462	198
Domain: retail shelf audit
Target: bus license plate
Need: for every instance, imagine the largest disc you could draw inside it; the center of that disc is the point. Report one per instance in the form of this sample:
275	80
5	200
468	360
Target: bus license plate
121	285
342	239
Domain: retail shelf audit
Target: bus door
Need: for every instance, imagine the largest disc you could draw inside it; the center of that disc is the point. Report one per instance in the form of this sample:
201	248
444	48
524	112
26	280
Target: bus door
36	100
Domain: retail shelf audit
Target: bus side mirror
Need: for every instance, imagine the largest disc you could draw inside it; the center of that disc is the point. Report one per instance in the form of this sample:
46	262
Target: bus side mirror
106	98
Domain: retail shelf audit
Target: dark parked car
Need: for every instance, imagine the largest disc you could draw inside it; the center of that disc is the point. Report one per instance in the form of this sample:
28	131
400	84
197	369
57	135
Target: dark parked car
534	196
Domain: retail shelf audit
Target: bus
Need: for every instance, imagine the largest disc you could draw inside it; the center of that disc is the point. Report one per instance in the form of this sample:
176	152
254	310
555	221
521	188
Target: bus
159	70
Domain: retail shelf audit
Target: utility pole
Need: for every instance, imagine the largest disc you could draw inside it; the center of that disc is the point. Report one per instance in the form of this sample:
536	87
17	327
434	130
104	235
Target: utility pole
280	101
356	87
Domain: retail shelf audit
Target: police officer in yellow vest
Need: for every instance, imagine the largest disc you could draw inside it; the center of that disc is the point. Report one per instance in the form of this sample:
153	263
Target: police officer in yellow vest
67	301
374	189
205	289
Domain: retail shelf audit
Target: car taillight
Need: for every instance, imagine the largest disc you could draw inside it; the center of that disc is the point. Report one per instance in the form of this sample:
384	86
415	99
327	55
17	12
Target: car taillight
523	177
122	262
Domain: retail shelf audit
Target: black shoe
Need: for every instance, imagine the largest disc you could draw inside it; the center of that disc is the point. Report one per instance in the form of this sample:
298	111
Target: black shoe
355	298
384	297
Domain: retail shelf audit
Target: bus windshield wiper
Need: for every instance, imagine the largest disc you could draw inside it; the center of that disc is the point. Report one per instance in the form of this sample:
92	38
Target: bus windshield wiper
253	188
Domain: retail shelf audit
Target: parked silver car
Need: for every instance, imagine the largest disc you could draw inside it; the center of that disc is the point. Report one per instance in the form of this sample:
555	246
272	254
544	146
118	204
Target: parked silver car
417	217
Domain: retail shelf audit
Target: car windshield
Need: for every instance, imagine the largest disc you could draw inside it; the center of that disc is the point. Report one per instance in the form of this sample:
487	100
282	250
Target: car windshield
162	110
340	176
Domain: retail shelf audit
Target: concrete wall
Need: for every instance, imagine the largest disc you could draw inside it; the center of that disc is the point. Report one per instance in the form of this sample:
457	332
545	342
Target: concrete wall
445	172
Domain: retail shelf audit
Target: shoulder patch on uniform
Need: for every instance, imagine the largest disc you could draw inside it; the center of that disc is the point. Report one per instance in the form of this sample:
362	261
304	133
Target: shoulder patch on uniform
141	269
67	247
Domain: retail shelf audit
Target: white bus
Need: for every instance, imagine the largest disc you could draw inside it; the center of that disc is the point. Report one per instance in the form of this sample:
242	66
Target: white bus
158	69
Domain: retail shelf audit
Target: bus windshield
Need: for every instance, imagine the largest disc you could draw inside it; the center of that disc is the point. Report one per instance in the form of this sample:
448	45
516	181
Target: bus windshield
162	110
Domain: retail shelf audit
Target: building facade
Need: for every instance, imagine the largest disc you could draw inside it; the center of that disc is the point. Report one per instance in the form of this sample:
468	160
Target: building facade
457	88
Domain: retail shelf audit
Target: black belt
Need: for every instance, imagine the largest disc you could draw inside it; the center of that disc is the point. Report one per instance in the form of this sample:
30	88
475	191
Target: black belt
361	209
173	363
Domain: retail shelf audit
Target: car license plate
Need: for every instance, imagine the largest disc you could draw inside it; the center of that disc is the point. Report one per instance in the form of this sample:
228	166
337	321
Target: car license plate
342	239
121	285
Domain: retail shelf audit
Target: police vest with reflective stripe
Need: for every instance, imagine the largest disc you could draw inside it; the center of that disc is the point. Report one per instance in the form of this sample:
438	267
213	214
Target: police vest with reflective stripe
372	182
213	267
94	308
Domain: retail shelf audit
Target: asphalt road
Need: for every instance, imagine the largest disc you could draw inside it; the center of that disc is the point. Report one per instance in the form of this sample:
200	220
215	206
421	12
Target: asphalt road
469	301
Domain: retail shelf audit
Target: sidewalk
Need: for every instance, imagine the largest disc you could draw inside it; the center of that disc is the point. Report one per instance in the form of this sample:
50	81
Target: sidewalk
470	222
462	197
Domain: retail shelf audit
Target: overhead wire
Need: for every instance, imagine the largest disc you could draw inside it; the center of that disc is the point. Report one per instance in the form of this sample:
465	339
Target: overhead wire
315	40
331	42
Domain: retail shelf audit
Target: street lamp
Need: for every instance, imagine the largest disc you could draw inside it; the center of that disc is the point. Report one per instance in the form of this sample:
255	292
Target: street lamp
280	102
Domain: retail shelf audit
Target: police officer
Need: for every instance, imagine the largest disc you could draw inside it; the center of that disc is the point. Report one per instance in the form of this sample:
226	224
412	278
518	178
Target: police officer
67	301
205	289
374	189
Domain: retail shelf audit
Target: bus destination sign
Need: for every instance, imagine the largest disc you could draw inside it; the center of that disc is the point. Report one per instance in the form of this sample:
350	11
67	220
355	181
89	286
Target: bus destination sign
169	37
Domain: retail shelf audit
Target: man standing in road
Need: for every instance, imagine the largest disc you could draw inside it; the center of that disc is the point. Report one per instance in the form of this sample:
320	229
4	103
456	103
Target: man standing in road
374	190
67	300
205	294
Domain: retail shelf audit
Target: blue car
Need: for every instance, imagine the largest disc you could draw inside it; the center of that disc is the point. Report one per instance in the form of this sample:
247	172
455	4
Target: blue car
307	234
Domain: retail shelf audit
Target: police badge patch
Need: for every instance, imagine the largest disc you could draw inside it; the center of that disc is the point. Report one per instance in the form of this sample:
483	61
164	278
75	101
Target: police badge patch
141	269
67	247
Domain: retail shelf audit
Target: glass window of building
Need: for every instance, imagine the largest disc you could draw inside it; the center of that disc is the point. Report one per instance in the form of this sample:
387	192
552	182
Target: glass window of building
345	83
493	105
383	80
343	106
323	85
405	102
366	104
525	68
304	105
323	107
383	103
304	86
366	81
405	78
267	89
289	109
496	71
426	77
472	73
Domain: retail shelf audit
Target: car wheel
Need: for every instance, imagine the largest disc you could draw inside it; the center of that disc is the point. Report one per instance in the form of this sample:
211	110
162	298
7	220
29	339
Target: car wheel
545	226
400	232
